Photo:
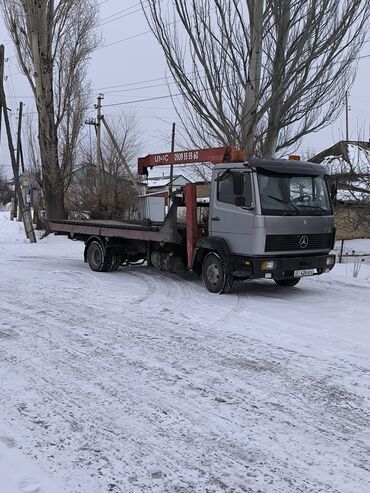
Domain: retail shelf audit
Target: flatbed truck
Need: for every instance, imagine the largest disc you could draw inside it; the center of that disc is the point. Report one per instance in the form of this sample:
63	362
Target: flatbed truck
267	218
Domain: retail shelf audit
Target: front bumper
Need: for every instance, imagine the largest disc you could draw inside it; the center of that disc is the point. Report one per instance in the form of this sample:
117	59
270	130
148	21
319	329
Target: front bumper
284	267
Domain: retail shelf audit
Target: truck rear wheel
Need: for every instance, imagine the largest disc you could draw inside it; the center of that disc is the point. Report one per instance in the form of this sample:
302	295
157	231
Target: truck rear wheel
97	257
115	262
287	282
215	275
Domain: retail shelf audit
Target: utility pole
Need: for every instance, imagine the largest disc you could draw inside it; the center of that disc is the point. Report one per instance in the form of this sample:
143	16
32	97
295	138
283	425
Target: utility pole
347	119
28	226
18	156
170	192
98	132
1	113
97	124
19	135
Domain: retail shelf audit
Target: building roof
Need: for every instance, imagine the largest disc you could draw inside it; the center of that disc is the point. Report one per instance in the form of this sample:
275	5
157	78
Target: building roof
164	181
348	195
194	173
78	172
345	158
348	162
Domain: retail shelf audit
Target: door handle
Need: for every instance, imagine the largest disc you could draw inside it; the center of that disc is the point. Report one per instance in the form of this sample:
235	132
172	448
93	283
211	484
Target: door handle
215	218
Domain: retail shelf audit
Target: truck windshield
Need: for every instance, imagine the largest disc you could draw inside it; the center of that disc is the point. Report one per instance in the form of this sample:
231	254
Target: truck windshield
294	195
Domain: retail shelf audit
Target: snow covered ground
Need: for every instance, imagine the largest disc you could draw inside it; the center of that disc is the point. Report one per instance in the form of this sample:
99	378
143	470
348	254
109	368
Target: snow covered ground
139	381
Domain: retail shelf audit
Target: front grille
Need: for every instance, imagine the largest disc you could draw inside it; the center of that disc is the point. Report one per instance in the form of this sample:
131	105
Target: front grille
280	243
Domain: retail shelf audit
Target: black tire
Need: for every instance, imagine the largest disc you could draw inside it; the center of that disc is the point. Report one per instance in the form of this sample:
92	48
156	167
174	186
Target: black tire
115	262
214	274
97	257
287	282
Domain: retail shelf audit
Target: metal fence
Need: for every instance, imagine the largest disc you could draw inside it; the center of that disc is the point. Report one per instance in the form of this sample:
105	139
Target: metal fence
353	251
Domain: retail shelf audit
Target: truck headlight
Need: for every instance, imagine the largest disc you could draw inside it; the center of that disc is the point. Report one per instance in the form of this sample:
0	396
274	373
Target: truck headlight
268	265
330	260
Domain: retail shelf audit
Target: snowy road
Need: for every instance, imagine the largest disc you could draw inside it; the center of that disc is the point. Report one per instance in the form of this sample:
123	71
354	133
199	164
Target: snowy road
138	381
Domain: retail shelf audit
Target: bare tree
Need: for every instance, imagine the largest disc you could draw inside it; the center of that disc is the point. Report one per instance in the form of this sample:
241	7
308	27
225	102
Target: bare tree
349	181
99	195
107	193
259	74
126	130
5	190
53	41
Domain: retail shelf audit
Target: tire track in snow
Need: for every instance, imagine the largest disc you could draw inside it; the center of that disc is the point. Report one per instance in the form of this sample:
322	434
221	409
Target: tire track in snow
141	363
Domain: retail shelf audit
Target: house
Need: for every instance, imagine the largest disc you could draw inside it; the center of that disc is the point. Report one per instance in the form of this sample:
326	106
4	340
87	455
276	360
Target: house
345	157
160	185
159	178
158	190
348	168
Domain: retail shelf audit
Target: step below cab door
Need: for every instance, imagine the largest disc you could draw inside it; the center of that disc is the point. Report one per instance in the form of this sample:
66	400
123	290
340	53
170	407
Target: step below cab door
232	209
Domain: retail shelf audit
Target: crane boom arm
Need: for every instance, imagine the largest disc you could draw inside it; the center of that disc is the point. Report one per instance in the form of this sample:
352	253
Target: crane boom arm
215	155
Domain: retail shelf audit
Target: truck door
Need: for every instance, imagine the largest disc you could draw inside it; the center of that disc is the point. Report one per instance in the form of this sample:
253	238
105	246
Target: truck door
231	209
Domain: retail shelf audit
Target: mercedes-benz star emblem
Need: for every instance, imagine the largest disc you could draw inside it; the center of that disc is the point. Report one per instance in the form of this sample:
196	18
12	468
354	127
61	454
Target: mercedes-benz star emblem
303	241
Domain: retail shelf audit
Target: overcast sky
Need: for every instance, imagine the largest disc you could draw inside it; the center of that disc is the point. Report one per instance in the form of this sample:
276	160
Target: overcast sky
129	57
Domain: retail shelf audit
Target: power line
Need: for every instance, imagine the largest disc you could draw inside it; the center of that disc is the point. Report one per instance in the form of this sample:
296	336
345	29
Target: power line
361	99
141	88
166	78
143	100
362	113
138	34
124	39
132	83
121	11
112	18
181	94
119	17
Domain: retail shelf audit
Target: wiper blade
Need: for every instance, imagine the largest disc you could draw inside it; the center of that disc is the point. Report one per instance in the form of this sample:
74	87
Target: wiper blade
317	208
284	202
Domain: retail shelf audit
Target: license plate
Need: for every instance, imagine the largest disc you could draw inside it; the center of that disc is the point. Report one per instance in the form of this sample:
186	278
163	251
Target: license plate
304	273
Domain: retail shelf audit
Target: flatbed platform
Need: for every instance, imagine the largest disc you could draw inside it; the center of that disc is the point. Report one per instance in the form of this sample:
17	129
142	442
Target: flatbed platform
110	224
135	230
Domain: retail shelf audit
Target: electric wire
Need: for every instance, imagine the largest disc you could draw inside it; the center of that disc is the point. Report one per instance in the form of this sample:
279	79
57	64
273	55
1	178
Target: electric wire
205	89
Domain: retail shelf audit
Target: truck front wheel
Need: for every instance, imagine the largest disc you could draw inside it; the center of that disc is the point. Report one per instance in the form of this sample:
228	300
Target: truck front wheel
215	275
287	282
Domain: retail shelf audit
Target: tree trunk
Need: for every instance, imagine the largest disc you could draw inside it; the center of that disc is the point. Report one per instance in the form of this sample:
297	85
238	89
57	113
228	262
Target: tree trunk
54	204
249	115
41	48
281	14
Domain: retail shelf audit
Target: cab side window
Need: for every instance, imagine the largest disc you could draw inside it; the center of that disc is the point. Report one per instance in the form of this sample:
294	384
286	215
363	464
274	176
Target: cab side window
225	189
227	184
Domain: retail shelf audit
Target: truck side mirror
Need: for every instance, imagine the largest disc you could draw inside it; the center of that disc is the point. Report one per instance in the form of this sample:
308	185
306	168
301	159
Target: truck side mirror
237	184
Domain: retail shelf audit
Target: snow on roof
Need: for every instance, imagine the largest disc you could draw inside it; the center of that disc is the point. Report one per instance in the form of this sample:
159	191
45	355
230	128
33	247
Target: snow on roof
158	182
353	190
352	196
359	161
163	181
335	165
193	173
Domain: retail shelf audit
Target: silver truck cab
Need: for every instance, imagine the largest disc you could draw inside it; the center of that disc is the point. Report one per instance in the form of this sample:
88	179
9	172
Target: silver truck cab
267	219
